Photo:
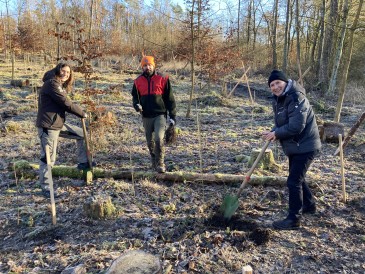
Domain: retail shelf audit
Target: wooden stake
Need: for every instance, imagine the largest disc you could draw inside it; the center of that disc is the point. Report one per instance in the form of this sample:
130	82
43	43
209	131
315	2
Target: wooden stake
239	81
51	190
247	82
344	195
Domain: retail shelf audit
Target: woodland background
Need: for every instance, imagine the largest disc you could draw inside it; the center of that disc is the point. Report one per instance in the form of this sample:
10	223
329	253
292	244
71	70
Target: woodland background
218	56
317	41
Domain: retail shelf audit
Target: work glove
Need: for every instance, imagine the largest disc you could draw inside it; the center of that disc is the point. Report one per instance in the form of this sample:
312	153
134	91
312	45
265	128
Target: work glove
85	115
172	122
139	108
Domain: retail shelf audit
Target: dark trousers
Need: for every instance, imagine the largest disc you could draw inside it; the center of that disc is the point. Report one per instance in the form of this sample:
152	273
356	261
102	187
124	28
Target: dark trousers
300	194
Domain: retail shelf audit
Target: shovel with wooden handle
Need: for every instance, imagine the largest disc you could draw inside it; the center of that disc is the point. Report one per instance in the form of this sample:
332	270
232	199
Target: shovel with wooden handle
231	202
89	176
51	189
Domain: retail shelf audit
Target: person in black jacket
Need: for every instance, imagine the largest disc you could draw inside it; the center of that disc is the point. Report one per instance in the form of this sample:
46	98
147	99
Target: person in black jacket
297	130
153	98
53	103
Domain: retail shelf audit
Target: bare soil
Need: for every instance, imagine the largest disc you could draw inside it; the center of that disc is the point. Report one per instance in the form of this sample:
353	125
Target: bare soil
177	221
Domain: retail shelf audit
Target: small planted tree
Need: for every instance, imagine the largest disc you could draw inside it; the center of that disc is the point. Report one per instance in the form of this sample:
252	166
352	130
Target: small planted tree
87	49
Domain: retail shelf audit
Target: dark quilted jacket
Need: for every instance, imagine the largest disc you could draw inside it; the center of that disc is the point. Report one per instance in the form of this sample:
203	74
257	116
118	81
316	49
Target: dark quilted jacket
295	123
53	103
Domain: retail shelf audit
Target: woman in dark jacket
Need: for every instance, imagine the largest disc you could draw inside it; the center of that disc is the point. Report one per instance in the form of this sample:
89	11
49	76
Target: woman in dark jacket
53	103
297	131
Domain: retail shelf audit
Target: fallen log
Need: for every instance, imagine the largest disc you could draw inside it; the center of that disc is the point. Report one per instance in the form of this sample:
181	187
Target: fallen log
27	170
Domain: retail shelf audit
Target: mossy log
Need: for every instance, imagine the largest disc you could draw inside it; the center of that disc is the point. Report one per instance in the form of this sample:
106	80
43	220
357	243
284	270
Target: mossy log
178	176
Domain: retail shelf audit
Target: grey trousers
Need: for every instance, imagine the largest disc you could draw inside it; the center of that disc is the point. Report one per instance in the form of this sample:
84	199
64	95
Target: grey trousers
50	137
155	134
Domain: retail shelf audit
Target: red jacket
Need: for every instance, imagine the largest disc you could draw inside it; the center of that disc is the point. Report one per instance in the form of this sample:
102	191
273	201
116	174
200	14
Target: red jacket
154	95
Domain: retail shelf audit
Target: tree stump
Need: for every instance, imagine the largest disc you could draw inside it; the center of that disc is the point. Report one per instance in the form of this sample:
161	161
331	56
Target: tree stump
19	83
329	131
88	176
267	161
99	207
135	262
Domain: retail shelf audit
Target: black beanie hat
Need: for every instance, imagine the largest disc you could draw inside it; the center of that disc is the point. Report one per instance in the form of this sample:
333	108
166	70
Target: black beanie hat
277	75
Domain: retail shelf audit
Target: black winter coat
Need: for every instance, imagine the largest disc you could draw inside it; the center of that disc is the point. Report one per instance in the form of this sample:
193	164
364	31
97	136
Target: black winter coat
295	122
52	105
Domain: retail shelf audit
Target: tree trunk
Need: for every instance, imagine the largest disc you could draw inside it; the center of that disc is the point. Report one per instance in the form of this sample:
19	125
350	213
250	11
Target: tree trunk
91	19
286	38
327	46
347	59
274	35
321	35
297	27
339	51
238	23
192	61
58	41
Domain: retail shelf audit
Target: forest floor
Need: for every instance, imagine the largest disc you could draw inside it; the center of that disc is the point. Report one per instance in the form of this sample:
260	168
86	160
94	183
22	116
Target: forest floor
173	220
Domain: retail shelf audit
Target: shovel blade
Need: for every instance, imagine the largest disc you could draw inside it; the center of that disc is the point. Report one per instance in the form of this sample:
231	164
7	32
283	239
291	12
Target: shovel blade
229	206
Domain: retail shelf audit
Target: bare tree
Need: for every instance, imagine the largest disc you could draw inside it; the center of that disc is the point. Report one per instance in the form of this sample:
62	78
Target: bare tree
346	64
327	45
297	28
321	34
339	49
286	36
192	58
274	34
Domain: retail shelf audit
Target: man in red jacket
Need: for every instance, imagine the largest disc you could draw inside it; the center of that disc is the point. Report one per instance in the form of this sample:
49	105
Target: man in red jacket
153	98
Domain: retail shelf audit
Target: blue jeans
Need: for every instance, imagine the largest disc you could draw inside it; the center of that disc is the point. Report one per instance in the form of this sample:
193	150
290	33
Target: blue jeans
300	194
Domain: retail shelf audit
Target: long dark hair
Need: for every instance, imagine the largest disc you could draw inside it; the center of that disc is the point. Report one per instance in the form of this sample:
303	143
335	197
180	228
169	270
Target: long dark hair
68	84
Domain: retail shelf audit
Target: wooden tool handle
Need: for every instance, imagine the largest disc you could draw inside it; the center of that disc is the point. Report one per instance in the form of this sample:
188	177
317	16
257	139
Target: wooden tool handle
248	174
88	154
48	155
51	189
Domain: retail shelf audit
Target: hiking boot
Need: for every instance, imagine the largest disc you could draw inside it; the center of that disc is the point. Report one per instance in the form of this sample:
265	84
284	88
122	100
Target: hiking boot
83	166
286	224
161	168
309	210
